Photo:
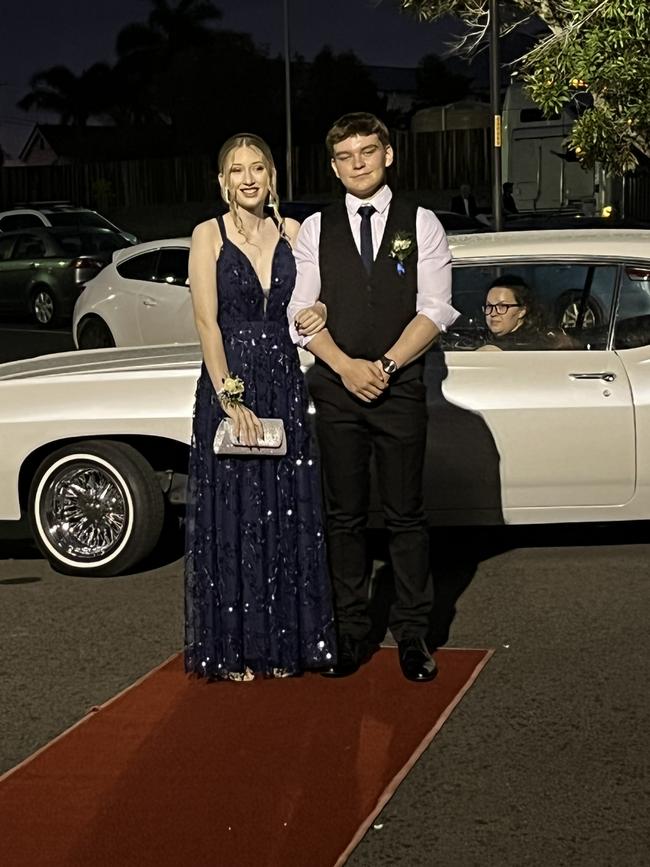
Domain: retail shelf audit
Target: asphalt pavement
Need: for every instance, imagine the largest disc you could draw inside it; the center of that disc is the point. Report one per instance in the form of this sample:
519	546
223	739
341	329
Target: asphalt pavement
545	760
26	340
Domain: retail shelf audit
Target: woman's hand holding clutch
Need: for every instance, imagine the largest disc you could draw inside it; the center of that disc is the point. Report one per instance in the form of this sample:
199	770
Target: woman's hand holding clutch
247	428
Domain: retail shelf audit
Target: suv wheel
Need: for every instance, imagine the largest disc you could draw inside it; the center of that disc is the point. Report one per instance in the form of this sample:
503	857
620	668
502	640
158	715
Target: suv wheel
95	508
43	305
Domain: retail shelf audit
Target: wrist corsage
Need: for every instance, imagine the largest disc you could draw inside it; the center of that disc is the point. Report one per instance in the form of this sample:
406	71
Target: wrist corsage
401	247
232	392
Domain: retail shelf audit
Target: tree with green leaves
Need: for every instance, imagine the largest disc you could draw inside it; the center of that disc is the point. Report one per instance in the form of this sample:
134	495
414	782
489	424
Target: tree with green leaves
593	57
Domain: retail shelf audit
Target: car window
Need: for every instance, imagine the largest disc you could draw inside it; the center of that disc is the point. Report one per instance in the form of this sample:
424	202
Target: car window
571	303
172	266
102	241
29	247
19	221
142	267
70	244
78	218
633	313
6	246
75	243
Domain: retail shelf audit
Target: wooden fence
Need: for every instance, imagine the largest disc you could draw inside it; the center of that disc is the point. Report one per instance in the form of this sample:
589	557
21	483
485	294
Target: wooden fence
105	185
425	162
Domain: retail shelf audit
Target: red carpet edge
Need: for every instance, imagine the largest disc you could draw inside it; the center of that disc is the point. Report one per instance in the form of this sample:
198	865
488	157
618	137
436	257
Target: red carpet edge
88	715
394	784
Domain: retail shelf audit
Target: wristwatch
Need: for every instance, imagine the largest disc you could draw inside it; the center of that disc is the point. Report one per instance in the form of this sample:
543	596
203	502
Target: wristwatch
389	366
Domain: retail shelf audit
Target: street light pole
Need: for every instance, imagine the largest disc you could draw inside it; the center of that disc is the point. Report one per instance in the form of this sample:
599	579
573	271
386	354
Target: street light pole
287	102
495	99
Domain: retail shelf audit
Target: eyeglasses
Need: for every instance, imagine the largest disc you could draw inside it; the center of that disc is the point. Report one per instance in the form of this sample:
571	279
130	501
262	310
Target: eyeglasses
497	308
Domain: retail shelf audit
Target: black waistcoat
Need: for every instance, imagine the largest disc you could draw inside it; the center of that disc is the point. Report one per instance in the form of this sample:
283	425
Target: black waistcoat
366	313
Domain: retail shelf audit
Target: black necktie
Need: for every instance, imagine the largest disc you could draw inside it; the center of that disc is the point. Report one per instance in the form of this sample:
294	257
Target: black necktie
367	256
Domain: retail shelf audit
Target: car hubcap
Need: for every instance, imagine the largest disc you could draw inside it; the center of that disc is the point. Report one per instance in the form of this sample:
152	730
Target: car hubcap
84	512
570	318
43	307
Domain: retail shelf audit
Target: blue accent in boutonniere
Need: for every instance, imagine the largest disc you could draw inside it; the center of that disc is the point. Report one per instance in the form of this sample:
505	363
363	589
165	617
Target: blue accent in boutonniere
401	247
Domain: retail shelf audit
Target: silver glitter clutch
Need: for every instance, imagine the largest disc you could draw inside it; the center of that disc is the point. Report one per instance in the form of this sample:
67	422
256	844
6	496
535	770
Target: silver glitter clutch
272	445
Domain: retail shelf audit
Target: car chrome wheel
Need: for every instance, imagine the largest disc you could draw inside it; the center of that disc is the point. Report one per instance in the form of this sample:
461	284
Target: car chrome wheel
569	318
96	508
85	511
43	307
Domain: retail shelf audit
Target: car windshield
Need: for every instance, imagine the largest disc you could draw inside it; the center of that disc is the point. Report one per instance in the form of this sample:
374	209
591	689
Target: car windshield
79	218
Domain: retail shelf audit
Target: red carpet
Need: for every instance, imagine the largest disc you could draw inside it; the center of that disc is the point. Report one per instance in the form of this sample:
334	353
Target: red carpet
275	773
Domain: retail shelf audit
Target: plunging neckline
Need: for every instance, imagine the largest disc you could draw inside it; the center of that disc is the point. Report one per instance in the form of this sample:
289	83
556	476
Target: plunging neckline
249	262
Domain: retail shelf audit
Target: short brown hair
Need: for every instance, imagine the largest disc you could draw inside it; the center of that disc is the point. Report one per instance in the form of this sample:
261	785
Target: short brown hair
356	123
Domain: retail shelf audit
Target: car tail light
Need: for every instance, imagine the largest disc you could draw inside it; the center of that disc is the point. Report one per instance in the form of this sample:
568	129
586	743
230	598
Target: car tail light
86	262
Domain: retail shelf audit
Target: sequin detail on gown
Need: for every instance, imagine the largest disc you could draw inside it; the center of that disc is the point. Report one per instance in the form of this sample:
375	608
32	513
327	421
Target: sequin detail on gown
257	591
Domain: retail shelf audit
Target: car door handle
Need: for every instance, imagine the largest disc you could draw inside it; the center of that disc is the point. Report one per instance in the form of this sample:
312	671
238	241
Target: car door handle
149	302
606	376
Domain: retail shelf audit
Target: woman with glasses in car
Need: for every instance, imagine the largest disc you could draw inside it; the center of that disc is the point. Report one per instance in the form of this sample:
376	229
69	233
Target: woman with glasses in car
514	318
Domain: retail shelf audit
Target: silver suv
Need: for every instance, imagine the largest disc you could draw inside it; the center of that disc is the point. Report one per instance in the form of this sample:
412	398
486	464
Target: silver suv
31	215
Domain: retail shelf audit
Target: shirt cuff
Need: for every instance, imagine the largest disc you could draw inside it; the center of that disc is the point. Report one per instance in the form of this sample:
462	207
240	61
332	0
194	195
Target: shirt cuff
442	315
299	339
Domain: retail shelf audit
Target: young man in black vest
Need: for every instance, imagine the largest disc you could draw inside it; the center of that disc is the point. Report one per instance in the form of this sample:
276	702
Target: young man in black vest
382	267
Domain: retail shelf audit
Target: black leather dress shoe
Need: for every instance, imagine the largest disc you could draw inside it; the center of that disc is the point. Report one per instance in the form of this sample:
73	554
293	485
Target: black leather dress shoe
416	662
351	653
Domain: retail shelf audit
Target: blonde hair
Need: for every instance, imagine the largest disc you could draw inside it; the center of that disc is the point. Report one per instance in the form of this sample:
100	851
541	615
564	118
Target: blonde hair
243	140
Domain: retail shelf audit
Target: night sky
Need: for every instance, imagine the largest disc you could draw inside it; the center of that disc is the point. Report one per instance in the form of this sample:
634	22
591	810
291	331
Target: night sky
36	34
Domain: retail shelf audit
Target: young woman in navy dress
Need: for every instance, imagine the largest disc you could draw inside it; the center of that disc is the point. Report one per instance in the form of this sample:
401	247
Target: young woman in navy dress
257	592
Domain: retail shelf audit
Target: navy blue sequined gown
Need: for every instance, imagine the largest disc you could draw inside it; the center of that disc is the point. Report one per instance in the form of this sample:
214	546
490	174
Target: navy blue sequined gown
257	592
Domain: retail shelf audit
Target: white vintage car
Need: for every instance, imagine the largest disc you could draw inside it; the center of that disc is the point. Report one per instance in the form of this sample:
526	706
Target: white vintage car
94	444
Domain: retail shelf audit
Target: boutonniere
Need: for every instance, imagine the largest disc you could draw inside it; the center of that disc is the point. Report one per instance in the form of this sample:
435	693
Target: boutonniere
401	247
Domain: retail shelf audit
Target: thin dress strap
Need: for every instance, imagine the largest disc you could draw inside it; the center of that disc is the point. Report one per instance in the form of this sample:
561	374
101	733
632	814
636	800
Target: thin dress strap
222	228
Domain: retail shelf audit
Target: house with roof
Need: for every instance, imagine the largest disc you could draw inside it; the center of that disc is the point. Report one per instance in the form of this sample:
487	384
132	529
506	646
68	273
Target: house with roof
55	144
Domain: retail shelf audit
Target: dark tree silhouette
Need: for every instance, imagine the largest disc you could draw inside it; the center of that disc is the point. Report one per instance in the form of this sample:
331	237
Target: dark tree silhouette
332	85
75	98
169	28
437	84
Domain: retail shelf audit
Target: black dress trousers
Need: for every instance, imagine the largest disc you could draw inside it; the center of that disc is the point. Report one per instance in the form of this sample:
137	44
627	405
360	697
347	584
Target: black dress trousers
393	429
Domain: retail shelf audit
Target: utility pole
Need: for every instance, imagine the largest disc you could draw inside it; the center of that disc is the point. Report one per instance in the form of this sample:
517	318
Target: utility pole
287	103
495	99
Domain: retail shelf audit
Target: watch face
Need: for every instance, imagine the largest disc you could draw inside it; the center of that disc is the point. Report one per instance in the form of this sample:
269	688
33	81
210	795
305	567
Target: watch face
389	365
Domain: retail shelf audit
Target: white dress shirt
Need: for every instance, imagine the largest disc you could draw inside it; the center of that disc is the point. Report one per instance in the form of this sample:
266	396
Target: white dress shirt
434	274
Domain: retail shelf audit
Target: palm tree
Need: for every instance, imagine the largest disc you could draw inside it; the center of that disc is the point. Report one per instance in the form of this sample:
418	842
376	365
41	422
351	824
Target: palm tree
75	98
169	28
147	51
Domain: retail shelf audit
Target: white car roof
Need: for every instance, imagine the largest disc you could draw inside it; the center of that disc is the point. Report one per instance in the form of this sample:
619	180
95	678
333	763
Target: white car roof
632	243
136	249
93	361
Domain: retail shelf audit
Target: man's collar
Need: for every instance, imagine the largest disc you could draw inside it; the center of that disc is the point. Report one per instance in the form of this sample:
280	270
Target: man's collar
381	200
